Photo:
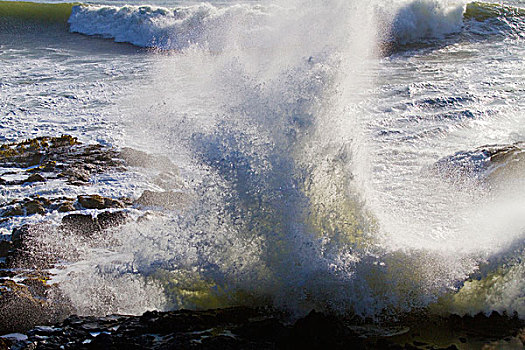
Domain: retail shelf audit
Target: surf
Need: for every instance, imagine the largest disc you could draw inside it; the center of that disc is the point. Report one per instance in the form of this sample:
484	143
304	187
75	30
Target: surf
277	163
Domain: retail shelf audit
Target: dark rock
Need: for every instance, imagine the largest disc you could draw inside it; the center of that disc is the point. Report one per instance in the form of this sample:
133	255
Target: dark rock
65	207
2	181
34	207
95	201
111	219
521	335
18	235
5	344
5	248
83	224
14	210
35	178
319	331
91	201
19	308
265	330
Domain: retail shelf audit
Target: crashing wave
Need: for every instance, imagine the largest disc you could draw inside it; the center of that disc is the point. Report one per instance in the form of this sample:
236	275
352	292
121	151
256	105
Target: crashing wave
206	24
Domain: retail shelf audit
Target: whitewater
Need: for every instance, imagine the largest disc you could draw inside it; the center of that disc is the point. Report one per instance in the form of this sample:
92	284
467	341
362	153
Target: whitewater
355	157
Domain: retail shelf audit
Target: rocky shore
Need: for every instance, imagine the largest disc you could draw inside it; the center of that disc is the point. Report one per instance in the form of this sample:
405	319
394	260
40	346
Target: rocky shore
258	328
34	314
33	175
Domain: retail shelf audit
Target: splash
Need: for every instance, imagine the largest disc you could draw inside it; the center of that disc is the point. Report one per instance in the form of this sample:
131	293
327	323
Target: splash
268	127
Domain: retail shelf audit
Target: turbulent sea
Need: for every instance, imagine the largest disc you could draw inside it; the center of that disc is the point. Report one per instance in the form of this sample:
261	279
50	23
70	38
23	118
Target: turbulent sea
356	157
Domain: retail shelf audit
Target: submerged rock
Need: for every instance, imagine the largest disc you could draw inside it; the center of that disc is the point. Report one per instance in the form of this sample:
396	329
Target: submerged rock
490	164
167	199
133	157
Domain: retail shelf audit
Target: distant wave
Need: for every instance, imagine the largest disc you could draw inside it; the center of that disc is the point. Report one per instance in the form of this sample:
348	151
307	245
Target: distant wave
24	10
162	28
206	24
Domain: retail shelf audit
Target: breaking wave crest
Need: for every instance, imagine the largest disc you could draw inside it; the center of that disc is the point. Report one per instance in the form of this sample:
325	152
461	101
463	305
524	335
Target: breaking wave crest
206	24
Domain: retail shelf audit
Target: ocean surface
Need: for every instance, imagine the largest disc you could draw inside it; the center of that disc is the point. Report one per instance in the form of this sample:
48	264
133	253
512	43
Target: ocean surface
340	155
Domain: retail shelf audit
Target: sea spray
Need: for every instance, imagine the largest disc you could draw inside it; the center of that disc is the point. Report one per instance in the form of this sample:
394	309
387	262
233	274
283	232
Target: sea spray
276	158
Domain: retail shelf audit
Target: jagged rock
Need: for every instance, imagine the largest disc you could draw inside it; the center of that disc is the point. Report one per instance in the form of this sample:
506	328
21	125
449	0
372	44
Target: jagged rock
147	216
64	156
2	181
88	225
5	344
239	328
35	178
320	331
167	199
521	336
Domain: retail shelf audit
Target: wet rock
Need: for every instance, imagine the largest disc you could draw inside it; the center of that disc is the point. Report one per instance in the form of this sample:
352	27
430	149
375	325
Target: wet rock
167	199
5	248
231	328
83	224
98	202
2	181
167	181
35	178
87	225
521	336
76	175
59	157
65	207
14	210
19	308
18	235
147	216
91	201
34	207
270	329
108	219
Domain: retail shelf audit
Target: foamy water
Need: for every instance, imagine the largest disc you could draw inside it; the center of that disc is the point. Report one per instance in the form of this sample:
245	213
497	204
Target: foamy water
309	155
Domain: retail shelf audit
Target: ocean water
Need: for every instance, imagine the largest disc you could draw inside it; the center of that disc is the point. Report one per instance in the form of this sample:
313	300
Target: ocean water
335	153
